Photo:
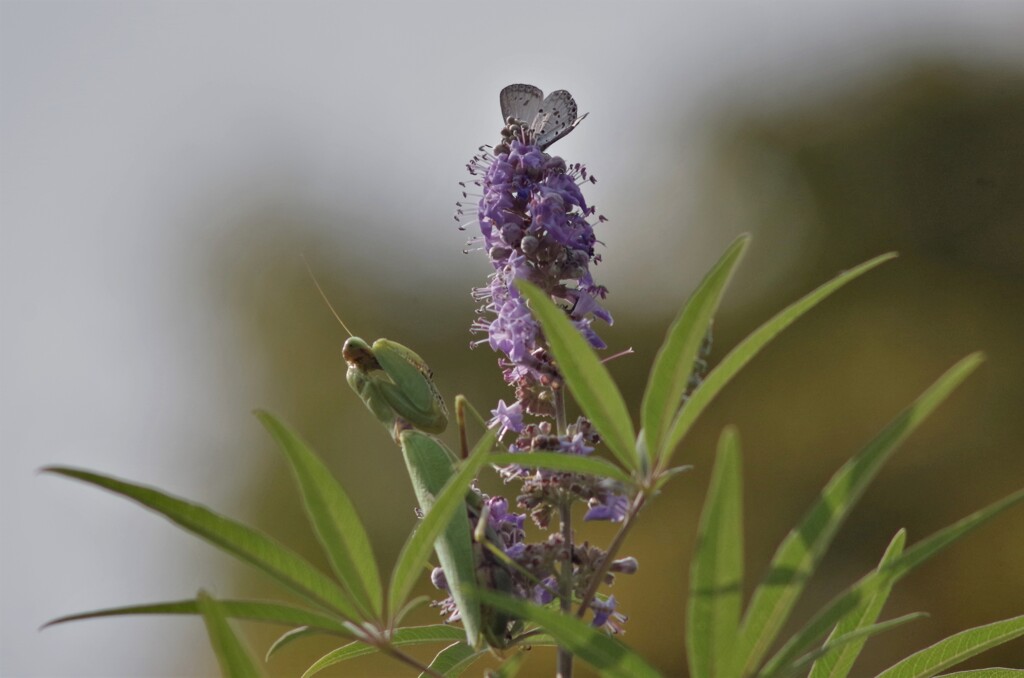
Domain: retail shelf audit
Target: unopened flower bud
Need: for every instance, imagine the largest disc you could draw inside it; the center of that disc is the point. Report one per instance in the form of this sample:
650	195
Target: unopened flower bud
625	565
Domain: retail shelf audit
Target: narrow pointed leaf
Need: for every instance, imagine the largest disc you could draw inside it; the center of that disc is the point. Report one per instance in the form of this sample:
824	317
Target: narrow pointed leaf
716	575
751	346
416	551
409	606
987	673
859	635
674	363
334	519
868	585
670	473
607	655
539	640
243	542
234	659
955	649
454	659
555	461
289	637
413	635
586	375
802	549
343	653
252	610
837	664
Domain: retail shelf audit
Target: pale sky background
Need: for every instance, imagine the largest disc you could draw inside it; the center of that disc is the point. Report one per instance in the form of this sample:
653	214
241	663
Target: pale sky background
132	132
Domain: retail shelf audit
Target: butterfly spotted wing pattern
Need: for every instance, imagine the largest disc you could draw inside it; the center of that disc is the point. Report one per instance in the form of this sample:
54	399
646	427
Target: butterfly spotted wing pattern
548	118
521	102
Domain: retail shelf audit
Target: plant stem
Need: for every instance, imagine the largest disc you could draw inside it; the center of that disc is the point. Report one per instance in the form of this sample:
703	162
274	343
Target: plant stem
606	563
564	661
389	649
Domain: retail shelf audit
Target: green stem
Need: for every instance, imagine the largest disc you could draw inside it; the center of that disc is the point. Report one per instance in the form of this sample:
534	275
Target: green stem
606	563
375	639
403	657
564	661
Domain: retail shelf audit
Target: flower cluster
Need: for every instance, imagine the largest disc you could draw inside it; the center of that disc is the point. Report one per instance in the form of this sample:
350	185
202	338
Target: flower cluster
530	570
542	489
534	226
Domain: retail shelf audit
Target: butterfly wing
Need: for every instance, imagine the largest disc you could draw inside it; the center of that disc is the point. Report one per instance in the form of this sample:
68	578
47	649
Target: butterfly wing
521	102
555	119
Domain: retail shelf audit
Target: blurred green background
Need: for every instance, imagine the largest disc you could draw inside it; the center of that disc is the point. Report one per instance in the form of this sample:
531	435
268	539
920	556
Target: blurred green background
831	135
927	161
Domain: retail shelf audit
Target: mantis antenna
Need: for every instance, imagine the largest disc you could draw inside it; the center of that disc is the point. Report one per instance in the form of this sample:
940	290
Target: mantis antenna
323	294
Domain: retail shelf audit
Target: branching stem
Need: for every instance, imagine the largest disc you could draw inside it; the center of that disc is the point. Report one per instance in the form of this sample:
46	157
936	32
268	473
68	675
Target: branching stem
606	563
403	657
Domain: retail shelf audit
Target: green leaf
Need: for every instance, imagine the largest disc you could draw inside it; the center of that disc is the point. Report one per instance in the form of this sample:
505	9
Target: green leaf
802	549
289	637
956	648
716	575
234	659
413	635
837	664
986	673
416	551
604	653
673	365
510	667
670	473
409	606
334	520
243	542
253	610
555	461
454	659
857	636
537	640
751	346
586	376
868	585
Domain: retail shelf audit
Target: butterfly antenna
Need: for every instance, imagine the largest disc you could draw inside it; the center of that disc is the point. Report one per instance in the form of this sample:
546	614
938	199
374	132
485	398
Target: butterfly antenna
323	294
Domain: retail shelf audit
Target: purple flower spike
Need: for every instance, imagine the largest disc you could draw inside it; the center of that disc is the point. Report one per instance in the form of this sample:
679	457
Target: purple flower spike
534	225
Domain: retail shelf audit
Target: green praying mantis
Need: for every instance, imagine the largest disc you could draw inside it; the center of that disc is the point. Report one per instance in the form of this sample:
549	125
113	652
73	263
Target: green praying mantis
397	386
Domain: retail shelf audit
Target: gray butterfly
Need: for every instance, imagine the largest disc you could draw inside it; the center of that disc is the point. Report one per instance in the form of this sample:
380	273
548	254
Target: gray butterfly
548	119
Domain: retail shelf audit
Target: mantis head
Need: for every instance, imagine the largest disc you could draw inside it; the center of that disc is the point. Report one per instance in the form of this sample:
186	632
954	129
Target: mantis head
395	384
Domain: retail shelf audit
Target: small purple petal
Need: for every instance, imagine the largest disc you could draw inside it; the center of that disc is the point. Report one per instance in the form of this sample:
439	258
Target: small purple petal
614	508
544	593
509	417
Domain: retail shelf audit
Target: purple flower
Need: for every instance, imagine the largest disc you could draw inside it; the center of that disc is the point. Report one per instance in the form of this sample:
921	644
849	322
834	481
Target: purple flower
606	616
545	592
509	417
613	507
508	525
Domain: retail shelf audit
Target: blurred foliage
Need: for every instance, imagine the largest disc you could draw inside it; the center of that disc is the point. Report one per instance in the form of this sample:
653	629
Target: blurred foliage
928	161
